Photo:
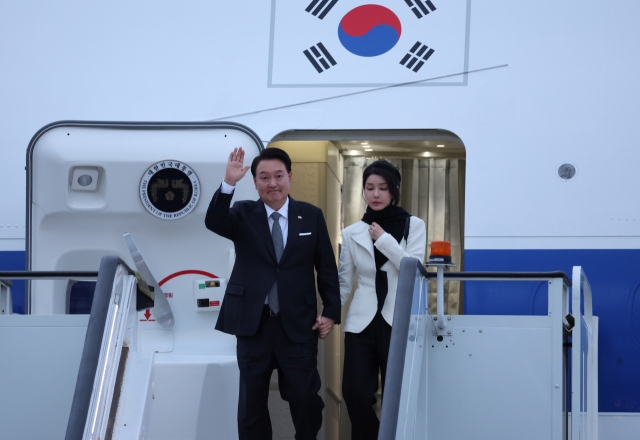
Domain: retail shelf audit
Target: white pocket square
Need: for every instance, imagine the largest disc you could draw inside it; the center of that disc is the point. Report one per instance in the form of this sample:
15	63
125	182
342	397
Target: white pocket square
305	233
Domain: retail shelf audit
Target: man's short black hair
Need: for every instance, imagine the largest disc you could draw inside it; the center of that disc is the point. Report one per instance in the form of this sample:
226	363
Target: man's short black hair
271	154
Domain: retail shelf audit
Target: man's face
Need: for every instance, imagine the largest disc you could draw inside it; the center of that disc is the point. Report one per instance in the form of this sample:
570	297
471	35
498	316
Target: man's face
272	182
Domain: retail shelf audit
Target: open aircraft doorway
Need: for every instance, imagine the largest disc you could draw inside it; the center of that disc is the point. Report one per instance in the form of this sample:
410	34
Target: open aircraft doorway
327	171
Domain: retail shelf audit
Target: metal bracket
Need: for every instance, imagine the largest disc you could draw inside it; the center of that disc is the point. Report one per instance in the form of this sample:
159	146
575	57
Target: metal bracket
437	330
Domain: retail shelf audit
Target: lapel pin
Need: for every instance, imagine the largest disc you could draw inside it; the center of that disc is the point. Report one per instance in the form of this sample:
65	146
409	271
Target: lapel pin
299	218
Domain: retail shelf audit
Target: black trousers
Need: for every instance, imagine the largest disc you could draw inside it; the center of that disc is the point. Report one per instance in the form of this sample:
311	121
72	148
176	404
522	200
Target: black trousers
365	354
298	379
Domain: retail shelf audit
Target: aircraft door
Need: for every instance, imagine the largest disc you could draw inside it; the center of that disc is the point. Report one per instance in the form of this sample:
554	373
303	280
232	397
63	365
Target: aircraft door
89	183
327	172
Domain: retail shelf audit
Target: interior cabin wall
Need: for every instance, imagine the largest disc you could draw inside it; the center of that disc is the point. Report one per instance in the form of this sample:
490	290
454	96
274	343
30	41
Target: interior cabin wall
441	186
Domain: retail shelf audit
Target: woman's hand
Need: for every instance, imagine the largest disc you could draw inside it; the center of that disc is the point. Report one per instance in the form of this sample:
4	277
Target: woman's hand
324	326
375	230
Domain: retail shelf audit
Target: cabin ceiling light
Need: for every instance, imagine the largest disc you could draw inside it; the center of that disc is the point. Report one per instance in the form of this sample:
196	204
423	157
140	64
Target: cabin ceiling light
368	149
440	146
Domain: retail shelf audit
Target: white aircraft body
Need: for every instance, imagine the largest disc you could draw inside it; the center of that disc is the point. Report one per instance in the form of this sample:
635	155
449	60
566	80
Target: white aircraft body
512	123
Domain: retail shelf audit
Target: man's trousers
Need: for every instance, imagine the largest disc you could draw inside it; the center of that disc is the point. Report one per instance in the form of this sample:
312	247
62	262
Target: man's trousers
298	380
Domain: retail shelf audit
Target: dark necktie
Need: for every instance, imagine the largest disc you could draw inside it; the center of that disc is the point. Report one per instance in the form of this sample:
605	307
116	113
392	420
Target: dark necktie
278	245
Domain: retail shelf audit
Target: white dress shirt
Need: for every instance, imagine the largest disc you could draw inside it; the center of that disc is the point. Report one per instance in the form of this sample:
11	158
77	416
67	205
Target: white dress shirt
283	211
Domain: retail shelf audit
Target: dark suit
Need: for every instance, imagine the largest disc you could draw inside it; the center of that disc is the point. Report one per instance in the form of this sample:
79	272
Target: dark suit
285	342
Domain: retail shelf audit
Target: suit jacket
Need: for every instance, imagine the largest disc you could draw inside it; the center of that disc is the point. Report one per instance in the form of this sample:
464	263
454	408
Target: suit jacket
357	256
256	269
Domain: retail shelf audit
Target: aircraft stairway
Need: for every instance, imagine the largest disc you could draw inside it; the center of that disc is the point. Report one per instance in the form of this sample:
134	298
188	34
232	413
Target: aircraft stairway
491	377
136	379
6	305
132	384
39	358
449	377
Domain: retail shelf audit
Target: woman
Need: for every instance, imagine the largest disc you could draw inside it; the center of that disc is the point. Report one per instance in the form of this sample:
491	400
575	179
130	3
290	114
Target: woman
373	248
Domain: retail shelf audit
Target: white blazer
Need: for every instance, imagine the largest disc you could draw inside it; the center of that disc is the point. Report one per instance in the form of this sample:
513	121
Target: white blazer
357	256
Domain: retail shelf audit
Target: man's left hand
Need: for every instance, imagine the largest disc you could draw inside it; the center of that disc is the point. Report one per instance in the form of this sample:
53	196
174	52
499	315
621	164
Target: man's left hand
324	326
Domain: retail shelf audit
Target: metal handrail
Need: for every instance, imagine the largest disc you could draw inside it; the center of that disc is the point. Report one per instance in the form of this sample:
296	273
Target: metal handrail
410	269
162	308
48	275
583	287
92	346
502	276
581	398
6	303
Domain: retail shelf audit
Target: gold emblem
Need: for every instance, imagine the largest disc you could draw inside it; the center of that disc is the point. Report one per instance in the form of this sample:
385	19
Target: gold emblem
169	189
155	186
179	184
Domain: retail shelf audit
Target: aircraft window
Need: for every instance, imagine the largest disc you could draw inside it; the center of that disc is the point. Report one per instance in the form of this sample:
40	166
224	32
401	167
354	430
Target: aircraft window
566	171
80	297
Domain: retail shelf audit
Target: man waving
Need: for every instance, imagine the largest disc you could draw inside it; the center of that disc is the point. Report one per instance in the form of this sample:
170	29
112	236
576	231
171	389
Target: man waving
270	302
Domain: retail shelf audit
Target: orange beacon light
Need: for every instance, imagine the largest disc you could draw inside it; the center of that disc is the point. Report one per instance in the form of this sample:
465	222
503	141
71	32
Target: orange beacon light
439	258
440	252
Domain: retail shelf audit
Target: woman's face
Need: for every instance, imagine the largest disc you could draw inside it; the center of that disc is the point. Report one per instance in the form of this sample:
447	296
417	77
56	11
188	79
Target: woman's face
376	192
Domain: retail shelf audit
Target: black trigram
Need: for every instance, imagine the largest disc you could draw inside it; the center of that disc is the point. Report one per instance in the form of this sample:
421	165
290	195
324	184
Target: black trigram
418	54
318	56
314	8
420	7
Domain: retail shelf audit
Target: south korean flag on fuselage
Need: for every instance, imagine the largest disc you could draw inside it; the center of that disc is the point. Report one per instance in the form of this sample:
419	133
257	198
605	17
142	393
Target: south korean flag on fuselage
356	43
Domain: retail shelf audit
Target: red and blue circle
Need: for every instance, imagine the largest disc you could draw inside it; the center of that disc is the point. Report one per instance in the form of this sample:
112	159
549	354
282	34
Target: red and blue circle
369	30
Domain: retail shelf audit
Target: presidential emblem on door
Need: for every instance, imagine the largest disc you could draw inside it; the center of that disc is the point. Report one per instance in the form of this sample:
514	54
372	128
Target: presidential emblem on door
169	189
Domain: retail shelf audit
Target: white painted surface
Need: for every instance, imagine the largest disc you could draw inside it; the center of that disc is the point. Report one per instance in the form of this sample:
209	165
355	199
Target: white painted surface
166	368
39	360
64	233
168	397
619	426
295	30
485	377
502	368
12	244
552	242
565	96
194	397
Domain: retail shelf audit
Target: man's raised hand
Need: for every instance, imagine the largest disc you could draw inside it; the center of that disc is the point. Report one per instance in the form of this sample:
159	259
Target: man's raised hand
235	171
